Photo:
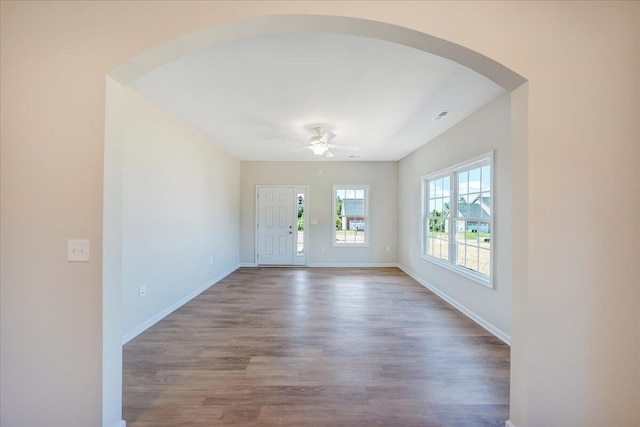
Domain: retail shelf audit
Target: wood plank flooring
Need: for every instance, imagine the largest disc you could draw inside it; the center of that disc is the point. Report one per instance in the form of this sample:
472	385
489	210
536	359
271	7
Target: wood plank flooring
316	347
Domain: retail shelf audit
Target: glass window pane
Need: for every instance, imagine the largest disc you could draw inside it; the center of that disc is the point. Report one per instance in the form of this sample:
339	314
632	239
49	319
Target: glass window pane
432	189
472	258
461	255
463	178
472	233
444	235
356	223
444	252
300	236
464	211
438	188
460	231
446	185
486	178
438	207
485	204
485	262
446	206
353	206
474	206
474	180
484	237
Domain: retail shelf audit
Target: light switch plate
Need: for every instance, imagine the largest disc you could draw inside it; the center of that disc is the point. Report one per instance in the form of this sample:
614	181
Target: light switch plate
314	222
78	251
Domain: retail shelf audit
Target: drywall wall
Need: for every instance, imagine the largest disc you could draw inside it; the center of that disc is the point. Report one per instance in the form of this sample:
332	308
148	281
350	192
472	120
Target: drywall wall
382	177
180	212
112	255
579	299
486	130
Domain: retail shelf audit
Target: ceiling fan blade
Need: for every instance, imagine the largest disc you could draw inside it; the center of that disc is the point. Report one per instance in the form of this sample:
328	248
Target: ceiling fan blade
345	147
302	148
328	154
328	136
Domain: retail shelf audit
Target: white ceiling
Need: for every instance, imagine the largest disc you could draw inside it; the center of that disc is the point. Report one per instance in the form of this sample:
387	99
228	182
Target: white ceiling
260	98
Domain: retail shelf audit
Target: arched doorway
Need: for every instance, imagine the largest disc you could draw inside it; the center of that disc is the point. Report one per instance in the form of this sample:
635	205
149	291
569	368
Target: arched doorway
173	49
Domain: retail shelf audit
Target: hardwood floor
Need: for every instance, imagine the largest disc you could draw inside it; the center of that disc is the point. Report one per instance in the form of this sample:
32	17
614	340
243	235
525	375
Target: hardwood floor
316	347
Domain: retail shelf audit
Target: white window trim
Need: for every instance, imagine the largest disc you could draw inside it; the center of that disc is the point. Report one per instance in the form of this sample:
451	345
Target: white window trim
451	264
334	216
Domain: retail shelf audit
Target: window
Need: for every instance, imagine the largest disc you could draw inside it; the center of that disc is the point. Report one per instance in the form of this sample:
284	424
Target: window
457	220
351	215
300	235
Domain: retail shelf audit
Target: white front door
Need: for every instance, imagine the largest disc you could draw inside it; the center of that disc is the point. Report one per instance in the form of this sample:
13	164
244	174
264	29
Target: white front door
277	225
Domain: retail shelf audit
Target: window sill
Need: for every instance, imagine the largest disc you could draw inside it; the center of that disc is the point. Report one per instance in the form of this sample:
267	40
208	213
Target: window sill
487	282
350	245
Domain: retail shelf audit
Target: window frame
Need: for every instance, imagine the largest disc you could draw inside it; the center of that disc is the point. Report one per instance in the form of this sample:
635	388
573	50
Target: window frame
453	173
367	217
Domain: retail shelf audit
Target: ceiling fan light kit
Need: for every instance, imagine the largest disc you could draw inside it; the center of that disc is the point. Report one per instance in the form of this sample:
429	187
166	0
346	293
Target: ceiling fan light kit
319	149
319	144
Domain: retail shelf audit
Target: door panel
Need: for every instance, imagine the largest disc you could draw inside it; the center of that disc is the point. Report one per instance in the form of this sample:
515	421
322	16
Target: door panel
276	221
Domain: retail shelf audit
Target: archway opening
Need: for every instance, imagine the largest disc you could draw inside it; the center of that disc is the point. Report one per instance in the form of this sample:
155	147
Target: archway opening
124	75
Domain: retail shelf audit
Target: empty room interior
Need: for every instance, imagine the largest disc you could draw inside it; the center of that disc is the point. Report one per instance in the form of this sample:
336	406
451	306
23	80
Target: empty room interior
309	214
326	160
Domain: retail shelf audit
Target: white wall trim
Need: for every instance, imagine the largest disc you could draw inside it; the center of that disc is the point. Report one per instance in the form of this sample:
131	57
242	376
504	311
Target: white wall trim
120	423
464	310
352	264
508	423
329	265
164	313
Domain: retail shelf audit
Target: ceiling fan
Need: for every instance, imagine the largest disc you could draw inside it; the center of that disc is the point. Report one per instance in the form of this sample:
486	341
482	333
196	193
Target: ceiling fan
320	143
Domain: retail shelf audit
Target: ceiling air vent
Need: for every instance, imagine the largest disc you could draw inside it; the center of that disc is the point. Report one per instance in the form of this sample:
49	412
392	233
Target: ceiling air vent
441	115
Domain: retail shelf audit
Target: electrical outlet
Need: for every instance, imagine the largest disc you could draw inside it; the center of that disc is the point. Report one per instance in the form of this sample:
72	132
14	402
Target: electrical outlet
388	248
211	260
143	291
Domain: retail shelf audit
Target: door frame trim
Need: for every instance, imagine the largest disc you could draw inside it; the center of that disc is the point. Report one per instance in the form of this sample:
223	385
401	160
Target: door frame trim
296	189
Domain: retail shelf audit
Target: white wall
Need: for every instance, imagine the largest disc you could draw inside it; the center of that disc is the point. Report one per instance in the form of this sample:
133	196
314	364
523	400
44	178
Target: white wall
487	129
180	212
319	176
579	299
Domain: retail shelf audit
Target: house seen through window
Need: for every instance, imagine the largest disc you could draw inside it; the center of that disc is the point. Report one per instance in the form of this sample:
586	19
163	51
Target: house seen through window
300	240
457	221
351	215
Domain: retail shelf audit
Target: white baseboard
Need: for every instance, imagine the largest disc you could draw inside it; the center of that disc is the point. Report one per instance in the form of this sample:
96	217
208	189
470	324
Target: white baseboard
352	264
330	265
164	313
464	310
508	423
120	423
